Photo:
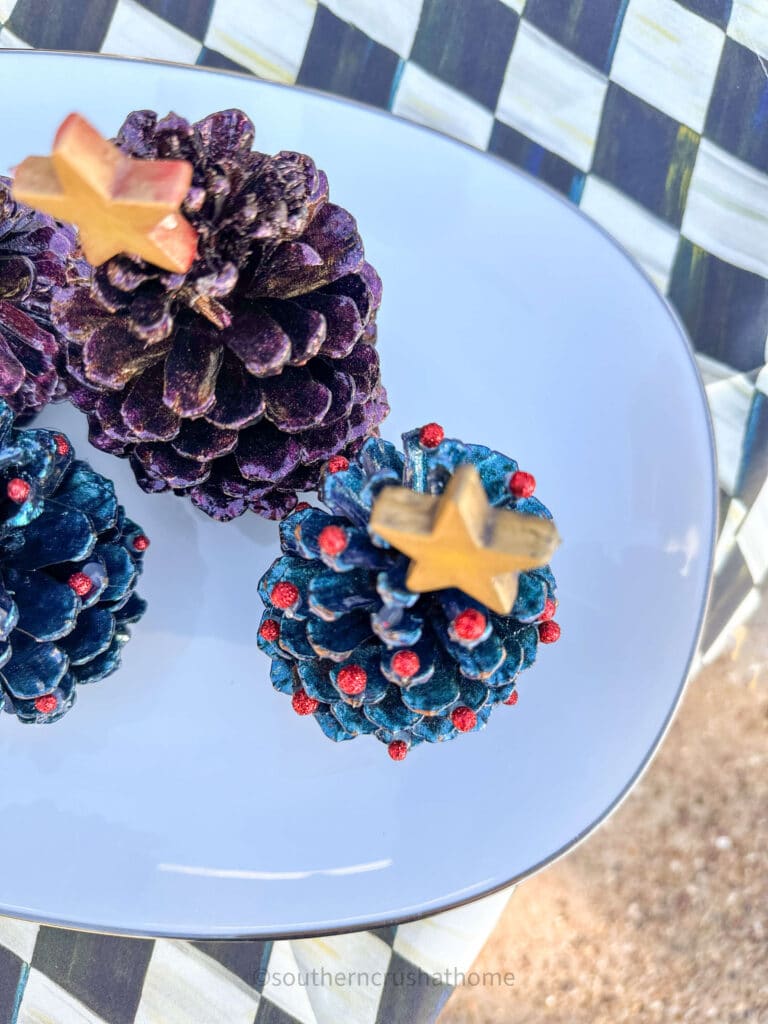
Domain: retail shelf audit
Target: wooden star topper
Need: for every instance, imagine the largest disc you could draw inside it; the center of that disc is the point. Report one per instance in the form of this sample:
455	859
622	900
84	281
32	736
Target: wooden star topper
118	204
457	539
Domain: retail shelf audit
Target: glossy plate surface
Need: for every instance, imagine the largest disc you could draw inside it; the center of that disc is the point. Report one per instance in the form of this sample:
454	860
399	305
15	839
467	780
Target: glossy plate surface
182	796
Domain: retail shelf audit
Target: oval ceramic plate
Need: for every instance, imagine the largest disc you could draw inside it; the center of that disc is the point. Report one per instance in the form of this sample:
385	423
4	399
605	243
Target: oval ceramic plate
182	796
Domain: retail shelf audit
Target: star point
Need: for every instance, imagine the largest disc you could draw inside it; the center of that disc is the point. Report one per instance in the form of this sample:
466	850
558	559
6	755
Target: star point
458	539
119	204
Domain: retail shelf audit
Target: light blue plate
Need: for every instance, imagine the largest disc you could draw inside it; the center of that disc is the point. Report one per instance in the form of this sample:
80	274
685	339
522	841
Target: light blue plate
182	796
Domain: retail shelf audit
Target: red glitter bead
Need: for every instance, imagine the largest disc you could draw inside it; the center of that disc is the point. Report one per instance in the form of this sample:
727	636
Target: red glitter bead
45	705
406	664
18	490
141	543
80	583
549	610
469	624
303	704
62	444
522	485
430	435
284	595
269	630
337	463
512	699
352	679
549	632
301	506
397	750
332	540
464	718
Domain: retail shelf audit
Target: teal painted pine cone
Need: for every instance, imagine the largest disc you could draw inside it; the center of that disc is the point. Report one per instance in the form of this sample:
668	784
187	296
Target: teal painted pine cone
355	648
69	562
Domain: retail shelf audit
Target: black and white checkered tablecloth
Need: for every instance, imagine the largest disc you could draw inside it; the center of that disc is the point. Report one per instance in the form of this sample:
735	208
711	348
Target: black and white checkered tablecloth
652	115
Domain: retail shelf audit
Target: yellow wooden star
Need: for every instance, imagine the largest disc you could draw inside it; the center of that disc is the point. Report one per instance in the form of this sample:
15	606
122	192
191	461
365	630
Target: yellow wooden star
118	204
457	539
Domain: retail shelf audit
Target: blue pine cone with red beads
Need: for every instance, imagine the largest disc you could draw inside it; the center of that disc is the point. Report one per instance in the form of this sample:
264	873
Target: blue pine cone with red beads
69	562
355	648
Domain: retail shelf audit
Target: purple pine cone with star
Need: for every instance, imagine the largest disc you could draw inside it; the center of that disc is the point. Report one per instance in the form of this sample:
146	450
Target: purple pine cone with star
235	382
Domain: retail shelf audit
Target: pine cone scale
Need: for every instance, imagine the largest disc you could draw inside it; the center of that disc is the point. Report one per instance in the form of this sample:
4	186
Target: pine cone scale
173	469
111	357
260	343
47	609
264	456
191	369
17	276
201	441
12	372
144	412
35	669
18	326
295	400
239	398
306	329
343	322
91	637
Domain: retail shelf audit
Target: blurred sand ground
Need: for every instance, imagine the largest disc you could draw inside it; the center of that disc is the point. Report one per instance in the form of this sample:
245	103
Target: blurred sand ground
662	915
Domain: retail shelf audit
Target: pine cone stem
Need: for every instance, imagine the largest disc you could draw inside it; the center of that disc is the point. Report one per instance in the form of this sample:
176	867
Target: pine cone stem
213	311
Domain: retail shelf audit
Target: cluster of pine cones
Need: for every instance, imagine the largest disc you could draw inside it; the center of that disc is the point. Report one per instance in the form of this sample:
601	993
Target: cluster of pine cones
249	378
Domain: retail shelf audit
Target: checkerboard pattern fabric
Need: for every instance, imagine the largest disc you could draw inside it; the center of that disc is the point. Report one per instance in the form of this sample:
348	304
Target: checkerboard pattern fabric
652	115
388	976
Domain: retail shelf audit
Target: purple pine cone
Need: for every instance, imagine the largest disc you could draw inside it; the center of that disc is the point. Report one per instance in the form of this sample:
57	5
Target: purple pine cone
235	382
33	255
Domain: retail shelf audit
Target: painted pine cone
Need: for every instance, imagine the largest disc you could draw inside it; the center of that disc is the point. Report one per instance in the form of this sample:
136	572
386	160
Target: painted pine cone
34	250
69	561
235	382
355	648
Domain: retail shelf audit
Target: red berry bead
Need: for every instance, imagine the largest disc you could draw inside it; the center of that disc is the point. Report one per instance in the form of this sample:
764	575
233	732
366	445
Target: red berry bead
45	705
18	490
270	630
397	750
469	624
464	718
303	704
406	664
512	699
549	610
80	583
337	463
522	485
352	679
431	435
332	540
284	595
301	506
549	632
62	444
141	543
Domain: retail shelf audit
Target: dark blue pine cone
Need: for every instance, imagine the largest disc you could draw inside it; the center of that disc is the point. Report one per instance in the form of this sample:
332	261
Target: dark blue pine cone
362	653
69	562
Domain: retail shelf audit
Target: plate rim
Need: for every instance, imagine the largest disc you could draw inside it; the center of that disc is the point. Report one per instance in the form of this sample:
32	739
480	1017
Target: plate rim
388	921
